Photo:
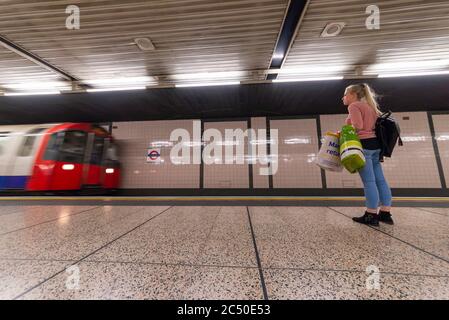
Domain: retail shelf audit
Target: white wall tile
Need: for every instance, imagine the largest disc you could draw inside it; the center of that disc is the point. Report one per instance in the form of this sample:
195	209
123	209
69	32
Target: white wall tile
441	125
227	176
134	139
298	147
259	181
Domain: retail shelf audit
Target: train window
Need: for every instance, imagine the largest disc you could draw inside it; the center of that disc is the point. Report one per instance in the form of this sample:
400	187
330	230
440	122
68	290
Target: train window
97	151
4	136
51	153
28	142
111	157
111	153
73	147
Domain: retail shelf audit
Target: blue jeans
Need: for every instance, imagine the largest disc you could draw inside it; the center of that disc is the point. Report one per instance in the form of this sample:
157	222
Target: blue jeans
377	191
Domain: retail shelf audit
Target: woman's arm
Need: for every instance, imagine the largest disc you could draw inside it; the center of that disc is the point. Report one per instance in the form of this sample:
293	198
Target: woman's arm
356	117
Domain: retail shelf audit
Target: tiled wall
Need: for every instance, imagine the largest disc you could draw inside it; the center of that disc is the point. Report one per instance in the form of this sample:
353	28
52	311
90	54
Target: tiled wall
412	166
134	139
298	147
441	125
227	175
259	181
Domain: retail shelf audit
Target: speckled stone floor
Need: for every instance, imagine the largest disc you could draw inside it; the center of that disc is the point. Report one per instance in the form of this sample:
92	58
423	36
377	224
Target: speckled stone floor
232	252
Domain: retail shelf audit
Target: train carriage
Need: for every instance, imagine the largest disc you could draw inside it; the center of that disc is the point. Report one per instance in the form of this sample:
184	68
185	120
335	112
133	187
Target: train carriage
52	157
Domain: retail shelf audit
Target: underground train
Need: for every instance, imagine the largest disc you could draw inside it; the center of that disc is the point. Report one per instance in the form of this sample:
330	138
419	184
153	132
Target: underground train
58	157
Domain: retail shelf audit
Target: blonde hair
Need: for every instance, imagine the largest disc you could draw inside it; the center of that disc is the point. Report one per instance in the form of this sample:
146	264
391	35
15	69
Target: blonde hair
365	93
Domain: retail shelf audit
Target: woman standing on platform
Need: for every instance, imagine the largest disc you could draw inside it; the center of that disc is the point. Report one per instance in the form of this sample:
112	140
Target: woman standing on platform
363	112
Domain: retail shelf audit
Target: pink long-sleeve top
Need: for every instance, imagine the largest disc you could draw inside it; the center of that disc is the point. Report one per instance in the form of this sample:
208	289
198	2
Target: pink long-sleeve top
363	117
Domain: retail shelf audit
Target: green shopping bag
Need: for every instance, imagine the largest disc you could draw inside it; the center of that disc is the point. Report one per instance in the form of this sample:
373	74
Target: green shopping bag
351	150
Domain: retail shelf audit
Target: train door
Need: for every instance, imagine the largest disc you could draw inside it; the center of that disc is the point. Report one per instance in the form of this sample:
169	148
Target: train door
111	165
93	173
69	155
22	166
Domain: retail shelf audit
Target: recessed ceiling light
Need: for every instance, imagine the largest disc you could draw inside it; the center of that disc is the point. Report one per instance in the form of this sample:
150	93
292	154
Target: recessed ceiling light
332	29
413	74
115	89
308	79
30	93
207	76
207	84
144	44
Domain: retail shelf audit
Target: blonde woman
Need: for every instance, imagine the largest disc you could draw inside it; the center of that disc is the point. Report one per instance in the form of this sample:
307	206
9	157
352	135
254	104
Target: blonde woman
363	112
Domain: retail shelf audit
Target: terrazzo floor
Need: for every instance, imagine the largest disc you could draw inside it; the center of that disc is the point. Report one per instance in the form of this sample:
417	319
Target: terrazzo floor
212	252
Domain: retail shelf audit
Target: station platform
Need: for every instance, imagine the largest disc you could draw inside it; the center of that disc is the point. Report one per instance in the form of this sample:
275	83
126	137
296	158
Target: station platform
246	248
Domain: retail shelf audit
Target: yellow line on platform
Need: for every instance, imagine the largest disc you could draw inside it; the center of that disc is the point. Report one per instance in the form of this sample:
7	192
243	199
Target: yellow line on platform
214	198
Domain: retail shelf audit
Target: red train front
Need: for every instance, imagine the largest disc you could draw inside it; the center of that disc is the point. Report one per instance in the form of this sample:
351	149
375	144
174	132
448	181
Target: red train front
75	156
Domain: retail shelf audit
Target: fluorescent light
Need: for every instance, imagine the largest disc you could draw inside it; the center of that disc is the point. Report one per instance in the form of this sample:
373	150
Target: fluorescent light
413	74
278	56
316	70
38	86
297	141
413	139
120	81
410	65
192	144
158	144
308	79
208	84
115	89
205	76
261	141
443	138
30	93
68	167
227	143
110	170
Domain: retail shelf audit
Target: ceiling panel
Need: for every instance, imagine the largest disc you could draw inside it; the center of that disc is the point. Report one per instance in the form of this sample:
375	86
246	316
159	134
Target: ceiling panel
413	36
189	36
214	40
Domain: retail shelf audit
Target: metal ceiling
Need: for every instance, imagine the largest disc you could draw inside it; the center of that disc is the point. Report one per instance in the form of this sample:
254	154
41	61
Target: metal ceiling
15	69
413	37
190	36
215	40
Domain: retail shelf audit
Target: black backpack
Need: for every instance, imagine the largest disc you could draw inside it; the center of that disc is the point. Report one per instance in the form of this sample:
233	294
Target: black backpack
388	134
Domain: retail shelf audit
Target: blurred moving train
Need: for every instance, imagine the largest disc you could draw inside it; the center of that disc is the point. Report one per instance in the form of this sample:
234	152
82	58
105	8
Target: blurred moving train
56	157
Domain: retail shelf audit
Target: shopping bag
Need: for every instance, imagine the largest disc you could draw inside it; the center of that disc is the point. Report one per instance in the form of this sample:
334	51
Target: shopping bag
328	157
351	150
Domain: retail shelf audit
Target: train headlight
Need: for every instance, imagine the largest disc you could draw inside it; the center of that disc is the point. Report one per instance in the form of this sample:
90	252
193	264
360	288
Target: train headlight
110	170
68	167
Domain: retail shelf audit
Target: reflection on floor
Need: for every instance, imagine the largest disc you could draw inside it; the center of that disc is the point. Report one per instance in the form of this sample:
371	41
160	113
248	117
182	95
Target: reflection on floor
213	252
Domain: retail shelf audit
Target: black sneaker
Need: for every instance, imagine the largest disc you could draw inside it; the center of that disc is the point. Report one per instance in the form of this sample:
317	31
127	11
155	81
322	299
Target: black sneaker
385	217
368	218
